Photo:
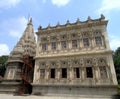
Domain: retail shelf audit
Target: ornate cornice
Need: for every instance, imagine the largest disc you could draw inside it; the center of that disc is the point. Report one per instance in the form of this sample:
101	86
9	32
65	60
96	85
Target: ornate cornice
70	26
104	52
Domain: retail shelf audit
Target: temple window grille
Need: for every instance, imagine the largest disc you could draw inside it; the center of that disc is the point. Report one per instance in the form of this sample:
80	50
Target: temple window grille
103	72
54	46
74	43
42	73
76	72
52	73
86	42
64	73
64	44
89	72
44	46
98	40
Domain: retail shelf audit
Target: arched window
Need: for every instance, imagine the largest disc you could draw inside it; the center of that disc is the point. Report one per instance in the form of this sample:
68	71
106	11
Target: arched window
42	73
74	43
89	72
64	73
53	45
103	72
44	46
98	40
64	44
76	72
52	73
86	42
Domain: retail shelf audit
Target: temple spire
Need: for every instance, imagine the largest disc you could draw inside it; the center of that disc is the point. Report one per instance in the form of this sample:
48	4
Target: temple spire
26	45
30	21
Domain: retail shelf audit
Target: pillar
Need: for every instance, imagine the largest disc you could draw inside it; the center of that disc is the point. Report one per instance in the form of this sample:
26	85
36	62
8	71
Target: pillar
58	71
47	71
83	73
36	77
71	73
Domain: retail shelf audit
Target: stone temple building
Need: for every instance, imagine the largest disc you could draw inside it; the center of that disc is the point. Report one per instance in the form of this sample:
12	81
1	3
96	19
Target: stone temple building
70	59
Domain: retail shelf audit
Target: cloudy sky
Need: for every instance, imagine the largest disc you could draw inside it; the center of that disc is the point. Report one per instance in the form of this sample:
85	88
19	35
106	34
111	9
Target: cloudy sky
14	15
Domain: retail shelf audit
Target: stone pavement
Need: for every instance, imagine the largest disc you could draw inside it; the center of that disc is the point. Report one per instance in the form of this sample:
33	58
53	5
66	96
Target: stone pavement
10	96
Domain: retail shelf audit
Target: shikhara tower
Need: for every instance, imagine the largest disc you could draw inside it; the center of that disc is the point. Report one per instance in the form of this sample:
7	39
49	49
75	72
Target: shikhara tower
25	49
25	46
72	59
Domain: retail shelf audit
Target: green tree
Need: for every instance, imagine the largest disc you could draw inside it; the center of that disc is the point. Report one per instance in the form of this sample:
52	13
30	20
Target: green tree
3	59
116	58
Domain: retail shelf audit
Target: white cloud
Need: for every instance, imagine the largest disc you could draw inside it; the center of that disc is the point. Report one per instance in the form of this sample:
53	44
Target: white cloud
8	3
16	26
114	42
4	50
60	3
109	5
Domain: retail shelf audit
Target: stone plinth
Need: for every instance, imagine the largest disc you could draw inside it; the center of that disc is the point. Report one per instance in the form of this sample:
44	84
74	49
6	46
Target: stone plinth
9	86
74	90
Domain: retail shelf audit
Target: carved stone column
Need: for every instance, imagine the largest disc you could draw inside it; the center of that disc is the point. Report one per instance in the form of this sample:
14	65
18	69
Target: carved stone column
81	43
71	77
47	71
93	42
49	46
36	72
95	74
71	73
46	74
69	44
59	45
58	71
109	76
83	73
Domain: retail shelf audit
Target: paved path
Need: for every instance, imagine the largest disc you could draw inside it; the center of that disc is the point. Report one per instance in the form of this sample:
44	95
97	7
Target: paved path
4	96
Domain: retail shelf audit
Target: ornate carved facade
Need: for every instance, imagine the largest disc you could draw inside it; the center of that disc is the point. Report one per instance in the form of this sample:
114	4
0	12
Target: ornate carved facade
75	53
69	59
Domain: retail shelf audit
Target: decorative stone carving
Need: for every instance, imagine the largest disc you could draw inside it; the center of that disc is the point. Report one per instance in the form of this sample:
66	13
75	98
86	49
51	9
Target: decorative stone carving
87	64
76	51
